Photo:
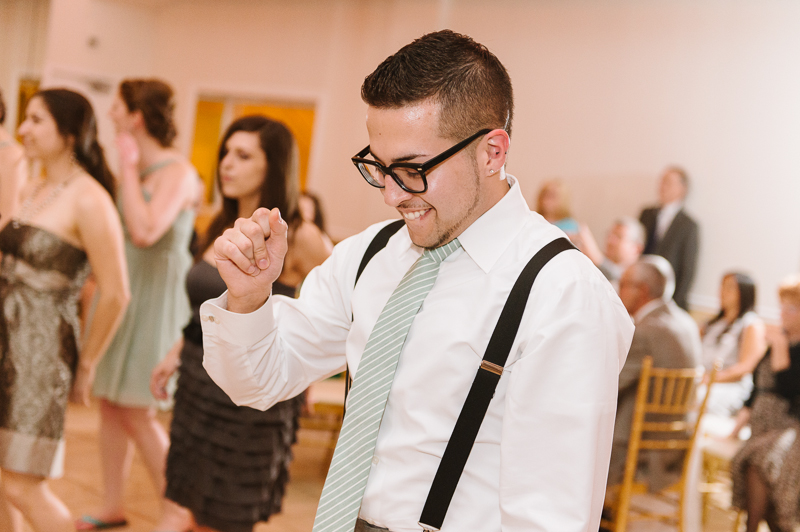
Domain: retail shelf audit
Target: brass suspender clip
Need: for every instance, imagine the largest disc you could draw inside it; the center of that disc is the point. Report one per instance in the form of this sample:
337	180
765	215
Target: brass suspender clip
492	368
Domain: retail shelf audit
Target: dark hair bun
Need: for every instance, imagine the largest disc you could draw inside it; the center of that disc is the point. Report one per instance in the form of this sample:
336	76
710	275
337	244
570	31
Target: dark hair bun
154	99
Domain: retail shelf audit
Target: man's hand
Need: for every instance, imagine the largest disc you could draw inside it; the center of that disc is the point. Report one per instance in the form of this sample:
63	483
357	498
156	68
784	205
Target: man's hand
249	258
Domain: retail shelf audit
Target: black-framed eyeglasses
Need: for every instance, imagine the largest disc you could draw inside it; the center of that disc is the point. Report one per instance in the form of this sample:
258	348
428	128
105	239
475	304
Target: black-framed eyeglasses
409	176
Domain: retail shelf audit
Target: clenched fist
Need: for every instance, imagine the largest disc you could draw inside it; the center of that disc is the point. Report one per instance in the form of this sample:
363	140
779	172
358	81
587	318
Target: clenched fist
249	258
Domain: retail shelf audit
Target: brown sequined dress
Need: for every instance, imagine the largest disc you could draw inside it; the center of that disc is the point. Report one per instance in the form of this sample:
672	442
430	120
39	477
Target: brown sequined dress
41	277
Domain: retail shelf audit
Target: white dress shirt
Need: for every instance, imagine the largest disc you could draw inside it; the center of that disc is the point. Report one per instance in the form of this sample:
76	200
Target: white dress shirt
540	460
666	214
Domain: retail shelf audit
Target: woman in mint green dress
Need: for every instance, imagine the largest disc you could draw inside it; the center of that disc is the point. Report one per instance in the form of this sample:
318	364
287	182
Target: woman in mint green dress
158	189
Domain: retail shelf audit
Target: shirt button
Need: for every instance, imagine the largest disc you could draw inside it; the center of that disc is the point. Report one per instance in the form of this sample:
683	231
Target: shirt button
211	319
203	318
375	460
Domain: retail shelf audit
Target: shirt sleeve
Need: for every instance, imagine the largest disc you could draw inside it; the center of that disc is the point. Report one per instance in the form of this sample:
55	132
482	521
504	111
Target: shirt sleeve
276	352
561	403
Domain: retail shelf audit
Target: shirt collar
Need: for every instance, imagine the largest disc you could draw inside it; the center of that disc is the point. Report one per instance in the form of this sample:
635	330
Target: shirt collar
488	236
648	307
672	208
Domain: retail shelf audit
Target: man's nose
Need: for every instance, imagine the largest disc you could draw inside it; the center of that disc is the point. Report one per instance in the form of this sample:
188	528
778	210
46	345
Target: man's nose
393	194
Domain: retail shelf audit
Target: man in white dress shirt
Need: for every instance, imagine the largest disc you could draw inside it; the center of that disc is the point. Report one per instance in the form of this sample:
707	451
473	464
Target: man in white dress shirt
541	456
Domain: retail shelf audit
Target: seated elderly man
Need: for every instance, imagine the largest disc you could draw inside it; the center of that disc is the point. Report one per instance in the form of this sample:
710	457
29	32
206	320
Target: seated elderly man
669	335
624	245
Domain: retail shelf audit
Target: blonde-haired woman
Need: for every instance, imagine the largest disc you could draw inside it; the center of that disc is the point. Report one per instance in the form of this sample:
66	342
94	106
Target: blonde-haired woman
553	203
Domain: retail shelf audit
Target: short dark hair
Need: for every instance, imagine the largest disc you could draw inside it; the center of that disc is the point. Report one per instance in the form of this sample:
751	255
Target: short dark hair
153	98
469	83
2	109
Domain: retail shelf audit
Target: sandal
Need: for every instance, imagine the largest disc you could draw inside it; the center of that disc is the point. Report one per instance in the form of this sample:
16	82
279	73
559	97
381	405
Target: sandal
88	522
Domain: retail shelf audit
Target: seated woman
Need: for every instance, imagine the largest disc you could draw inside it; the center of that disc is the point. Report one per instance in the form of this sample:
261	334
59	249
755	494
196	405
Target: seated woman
735	337
766	471
553	204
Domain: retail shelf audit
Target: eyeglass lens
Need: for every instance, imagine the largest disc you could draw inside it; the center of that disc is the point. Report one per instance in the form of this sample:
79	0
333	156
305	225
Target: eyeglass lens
410	178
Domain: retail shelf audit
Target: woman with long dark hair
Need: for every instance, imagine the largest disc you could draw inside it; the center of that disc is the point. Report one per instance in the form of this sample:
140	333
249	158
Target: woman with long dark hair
158	190
735	338
228	465
65	226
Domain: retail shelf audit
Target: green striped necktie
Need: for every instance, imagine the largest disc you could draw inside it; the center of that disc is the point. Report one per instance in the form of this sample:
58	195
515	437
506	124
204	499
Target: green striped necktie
347	476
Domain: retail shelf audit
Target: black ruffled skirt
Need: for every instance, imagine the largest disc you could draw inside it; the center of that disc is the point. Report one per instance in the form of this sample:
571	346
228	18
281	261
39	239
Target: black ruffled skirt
227	464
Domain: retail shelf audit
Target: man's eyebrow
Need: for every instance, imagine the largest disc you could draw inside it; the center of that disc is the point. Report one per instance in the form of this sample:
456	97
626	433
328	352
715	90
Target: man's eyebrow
403	159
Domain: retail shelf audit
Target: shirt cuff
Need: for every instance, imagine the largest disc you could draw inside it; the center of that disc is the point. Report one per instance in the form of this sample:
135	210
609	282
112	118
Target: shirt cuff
234	328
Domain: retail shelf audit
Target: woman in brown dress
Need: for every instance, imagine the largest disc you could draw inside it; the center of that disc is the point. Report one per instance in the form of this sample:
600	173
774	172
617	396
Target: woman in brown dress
65	226
766	471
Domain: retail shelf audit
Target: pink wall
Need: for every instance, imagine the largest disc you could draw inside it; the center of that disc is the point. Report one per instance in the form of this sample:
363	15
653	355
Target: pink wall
608	92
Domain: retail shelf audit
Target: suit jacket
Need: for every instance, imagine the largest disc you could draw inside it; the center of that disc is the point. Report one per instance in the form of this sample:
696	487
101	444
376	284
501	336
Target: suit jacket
679	246
671	337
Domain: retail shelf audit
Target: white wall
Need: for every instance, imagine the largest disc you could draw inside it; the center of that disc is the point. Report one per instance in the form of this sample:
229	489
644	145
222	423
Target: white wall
608	92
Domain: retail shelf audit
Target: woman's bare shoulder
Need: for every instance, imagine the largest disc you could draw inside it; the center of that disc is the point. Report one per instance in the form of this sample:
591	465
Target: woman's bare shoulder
89	193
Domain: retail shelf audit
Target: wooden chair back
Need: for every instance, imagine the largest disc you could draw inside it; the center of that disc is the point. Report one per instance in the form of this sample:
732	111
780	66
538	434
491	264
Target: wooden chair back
664	401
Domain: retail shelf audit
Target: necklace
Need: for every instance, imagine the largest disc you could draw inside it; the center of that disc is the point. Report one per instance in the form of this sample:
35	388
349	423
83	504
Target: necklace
28	210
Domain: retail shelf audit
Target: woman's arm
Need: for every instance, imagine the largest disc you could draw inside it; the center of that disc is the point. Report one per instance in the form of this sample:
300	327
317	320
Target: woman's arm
164	370
13	176
307	249
147	221
100	233
751	350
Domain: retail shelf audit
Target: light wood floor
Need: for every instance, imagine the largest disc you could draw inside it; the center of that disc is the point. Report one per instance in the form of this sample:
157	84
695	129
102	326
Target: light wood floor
80	487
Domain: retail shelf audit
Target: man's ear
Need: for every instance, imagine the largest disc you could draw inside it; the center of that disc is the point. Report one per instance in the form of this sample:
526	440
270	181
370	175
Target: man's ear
495	151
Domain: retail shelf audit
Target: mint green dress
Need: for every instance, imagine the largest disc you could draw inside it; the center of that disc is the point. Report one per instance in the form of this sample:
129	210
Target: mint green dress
157	313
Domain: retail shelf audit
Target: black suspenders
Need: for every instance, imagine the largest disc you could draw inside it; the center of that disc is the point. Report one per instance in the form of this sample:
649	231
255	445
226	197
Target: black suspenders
480	394
483	387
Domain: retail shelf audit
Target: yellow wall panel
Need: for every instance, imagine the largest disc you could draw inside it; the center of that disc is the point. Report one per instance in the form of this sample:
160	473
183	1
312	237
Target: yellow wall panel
206	138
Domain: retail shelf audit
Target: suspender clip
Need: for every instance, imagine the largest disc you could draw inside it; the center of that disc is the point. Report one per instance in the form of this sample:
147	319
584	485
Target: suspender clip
428	528
492	368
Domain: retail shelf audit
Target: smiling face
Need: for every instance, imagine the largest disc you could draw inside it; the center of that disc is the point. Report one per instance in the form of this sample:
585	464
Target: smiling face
456	194
39	132
244	167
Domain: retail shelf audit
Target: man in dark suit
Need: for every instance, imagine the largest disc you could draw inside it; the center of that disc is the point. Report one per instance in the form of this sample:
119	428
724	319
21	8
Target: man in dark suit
664	332
672	233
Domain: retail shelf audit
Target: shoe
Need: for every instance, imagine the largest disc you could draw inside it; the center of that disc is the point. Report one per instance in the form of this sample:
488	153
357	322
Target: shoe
88	522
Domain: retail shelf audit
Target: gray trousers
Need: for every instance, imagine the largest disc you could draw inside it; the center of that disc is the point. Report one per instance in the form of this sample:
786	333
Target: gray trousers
363	526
